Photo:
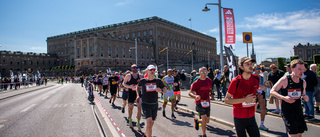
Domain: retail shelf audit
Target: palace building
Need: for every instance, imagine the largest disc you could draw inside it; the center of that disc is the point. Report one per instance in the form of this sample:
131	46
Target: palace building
113	46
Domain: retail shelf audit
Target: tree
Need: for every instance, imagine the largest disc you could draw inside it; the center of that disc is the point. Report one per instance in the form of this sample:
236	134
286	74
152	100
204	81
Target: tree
294	57
316	59
281	65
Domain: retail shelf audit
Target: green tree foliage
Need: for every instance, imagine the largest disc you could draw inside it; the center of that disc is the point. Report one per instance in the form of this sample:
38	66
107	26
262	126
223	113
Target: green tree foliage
316	59
294	57
281	63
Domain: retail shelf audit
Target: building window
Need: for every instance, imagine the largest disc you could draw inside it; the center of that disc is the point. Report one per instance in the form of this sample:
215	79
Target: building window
124	52
163	34
308	52
150	32
91	50
101	50
144	33
133	35
159	33
138	34
318	51
78	51
117	51
128	35
84	50
313	52
109	50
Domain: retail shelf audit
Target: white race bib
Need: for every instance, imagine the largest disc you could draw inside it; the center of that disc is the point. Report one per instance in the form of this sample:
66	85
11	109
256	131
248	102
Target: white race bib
205	103
294	93
247	105
135	87
151	87
175	84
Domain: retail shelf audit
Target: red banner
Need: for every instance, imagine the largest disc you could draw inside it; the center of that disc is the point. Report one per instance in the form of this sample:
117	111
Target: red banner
230	31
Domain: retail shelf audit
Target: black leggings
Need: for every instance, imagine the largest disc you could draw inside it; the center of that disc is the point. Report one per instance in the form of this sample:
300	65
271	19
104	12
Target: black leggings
246	124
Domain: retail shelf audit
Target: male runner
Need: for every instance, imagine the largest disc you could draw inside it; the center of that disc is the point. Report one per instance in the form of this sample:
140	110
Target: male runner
113	87
168	80
150	87
130	82
176	91
293	89
99	82
202	88
105	84
242	94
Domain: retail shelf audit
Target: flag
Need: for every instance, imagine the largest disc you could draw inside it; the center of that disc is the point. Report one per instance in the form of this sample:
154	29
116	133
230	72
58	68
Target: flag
230	31
189	19
12	76
20	77
232	63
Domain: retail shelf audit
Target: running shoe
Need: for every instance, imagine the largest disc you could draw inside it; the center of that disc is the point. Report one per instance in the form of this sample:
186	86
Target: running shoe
164	113
122	110
196	124
277	111
262	127
138	127
173	117
110	101
130	123
113	104
310	117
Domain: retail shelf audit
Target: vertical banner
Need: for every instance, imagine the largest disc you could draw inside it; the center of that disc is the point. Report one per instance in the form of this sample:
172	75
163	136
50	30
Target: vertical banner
12	76
232	63
230	31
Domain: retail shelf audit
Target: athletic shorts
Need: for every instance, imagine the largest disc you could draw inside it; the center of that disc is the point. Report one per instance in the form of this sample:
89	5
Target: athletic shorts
95	83
99	83
244	125
177	92
113	91
294	122
202	110
317	96
105	87
166	100
150	110
125	95
132	97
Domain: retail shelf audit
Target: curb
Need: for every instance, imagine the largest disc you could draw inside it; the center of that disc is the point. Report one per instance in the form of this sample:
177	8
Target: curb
26	92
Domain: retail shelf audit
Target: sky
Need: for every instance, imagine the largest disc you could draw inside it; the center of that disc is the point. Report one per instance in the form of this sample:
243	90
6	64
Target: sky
276	25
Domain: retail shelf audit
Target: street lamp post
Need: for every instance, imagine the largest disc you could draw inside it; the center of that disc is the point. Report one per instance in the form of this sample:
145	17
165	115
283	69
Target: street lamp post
191	58
208	58
136	50
220	30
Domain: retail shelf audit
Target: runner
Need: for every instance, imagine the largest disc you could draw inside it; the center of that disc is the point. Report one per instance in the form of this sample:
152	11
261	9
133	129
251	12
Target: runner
118	83
113	87
313	67
168	80
130	82
125	93
202	88
312	84
99	82
261	96
176	91
273	77
105	84
293	88
94	78
150	87
242	94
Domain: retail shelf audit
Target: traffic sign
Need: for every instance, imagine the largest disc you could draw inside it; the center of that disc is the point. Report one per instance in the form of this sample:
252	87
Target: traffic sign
247	37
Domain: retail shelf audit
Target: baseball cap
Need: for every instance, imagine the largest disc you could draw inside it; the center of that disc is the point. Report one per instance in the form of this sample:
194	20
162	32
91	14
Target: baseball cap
151	67
245	59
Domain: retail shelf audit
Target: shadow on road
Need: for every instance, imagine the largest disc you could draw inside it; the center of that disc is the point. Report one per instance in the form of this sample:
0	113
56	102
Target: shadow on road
221	132
134	129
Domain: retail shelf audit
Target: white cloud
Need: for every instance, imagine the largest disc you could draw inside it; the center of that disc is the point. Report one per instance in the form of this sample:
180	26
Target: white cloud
122	3
214	30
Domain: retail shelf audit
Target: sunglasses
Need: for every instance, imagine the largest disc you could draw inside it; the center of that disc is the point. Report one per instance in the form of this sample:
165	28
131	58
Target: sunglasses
203	72
258	68
134	67
152	69
274	68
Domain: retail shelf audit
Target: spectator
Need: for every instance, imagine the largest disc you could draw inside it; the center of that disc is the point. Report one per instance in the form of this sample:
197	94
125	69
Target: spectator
312	82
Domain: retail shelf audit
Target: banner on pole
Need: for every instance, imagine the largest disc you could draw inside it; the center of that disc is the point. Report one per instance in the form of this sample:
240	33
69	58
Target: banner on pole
230	31
232	63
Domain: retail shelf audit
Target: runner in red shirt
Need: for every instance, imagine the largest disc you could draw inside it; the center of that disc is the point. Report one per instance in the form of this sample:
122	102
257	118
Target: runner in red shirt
202	89
242	94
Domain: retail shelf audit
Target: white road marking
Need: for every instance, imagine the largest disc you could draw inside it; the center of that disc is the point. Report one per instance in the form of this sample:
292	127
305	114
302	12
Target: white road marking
1	126
26	109
45	97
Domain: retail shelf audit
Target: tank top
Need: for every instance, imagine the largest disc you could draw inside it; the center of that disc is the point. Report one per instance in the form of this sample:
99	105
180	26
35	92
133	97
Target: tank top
133	82
294	90
176	84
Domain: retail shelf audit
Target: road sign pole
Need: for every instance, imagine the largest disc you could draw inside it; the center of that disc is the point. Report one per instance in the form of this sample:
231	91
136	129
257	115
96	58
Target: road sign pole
247	51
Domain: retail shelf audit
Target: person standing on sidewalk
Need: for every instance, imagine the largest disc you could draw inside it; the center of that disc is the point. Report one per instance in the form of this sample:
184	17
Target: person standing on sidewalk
150	87
211	76
273	78
313	67
242	94
293	89
225	80
202	88
312	84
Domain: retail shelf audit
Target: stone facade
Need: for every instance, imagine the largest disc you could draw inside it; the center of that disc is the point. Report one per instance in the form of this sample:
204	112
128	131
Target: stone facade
113	46
306	52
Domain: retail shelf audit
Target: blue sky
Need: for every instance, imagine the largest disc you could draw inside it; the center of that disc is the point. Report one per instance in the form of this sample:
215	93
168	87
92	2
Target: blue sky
276	25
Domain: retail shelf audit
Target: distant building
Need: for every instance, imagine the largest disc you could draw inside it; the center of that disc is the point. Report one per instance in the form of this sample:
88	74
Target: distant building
306	52
30	62
113	46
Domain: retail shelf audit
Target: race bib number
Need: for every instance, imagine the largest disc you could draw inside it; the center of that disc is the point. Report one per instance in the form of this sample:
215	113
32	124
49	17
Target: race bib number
205	103
294	93
247	105
151	87
175	84
134	87
114	82
260	91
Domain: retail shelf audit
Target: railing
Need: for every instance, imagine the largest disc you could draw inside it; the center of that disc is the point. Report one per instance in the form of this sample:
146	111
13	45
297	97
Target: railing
17	85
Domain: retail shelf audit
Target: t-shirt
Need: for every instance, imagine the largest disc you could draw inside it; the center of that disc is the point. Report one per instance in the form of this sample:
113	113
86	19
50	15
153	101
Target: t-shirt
241	90
148	88
113	82
105	81
274	77
202	88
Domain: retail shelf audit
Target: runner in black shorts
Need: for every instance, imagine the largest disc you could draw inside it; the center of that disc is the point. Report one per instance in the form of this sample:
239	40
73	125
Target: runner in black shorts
293	89
113	87
105	80
150	87
99	82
